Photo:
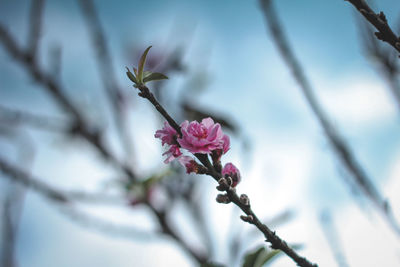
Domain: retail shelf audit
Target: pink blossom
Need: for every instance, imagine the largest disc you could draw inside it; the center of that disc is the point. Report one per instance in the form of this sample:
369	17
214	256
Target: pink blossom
167	134
203	137
172	153
189	163
230	170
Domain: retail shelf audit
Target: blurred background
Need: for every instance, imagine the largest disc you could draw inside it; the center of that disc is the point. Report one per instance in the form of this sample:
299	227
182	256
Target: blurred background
314	131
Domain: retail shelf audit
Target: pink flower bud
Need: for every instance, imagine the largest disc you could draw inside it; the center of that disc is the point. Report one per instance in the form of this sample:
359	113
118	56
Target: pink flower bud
189	163
230	170
172	153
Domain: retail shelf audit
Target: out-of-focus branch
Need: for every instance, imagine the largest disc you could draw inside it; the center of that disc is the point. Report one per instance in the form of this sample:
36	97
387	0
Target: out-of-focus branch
341	149
78	126
242	202
13	117
106	227
168	230
35	26
20	176
54	88
388	65
65	198
105	64
10	210
379	21
332	237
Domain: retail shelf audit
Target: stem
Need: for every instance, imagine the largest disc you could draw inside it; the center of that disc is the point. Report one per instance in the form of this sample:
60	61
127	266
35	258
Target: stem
379	21
276	241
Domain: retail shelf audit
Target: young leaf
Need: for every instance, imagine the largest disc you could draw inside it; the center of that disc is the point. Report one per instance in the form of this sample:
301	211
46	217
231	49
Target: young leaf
142	61
131	76
155	76
251	258
146	74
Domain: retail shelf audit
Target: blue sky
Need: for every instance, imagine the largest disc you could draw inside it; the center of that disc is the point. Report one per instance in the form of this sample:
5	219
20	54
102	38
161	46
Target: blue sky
292	165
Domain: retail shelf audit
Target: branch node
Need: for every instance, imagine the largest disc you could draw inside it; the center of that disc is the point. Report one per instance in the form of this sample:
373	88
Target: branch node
244	199
223	184
248	218
223	199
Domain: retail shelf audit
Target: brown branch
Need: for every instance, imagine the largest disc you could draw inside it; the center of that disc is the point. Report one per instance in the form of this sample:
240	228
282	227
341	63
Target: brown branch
341	149
379	21
276	241
388	65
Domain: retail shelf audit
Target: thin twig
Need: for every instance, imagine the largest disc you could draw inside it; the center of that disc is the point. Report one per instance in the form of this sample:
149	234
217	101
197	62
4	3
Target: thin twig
276	241
341	149
388	65
379	21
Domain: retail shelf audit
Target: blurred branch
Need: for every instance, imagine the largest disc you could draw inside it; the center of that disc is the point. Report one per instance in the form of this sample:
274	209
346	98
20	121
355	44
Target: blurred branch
11	210
166	229
13	117
106	227
104	61
80	125
35	26
341	149
385	59
333	238
379	21
22	177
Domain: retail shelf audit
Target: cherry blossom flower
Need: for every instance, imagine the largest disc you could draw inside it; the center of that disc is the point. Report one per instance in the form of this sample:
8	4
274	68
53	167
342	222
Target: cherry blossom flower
203	137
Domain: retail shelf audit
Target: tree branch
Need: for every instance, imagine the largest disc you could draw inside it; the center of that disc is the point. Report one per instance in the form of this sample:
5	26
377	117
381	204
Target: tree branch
341	149
276	241
379	21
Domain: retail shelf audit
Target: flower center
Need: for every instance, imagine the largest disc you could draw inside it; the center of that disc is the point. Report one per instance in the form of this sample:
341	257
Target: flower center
200	132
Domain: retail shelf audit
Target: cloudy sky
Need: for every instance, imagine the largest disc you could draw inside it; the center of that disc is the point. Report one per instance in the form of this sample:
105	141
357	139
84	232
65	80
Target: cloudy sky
290	164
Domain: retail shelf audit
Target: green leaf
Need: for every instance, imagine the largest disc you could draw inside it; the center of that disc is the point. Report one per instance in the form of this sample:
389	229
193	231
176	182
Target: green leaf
146	74
142	61
251	258
131	76
154	76
261	256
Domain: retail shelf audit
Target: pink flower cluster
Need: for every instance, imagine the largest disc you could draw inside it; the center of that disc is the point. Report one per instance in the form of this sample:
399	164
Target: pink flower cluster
205	137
